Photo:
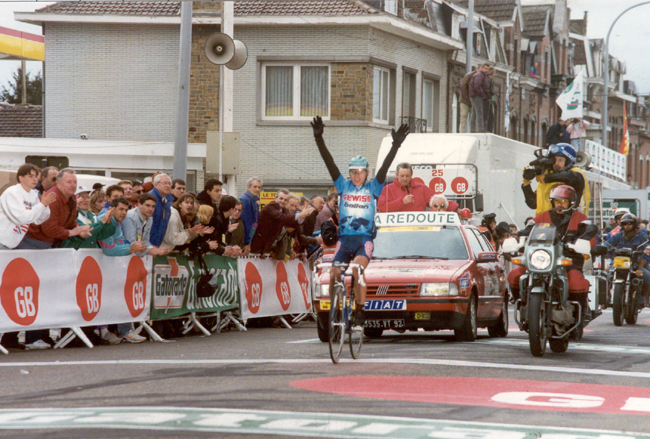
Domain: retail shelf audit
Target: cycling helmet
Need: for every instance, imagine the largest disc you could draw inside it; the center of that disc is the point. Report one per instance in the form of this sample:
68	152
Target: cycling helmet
465	214
564	191
359	162
563	150
620	212
628	218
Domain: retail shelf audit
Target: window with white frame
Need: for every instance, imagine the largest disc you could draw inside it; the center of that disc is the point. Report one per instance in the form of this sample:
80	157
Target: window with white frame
390	6
430	99
295	91
381	95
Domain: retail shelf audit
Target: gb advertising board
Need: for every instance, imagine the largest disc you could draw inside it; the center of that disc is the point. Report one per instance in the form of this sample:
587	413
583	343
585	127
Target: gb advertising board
273	288
454	180
83	287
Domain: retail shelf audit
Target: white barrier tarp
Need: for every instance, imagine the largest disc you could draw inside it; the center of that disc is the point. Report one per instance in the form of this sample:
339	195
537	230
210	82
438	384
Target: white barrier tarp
61	288
272	288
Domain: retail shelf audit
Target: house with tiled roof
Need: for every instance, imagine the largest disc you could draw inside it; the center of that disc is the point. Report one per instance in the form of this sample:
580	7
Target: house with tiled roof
21	120
112	72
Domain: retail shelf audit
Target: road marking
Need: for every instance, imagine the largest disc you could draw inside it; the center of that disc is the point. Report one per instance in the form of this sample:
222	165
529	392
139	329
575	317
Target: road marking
418	361
283	423
488	392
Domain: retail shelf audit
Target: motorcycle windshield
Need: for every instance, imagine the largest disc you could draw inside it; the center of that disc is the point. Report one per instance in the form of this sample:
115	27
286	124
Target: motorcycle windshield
543	234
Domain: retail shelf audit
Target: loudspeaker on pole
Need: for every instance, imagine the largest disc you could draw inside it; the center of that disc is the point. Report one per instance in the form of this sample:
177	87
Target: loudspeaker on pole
583	159
220	49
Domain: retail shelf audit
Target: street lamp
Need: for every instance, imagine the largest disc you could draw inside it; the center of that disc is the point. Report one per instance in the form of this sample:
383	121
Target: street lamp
606	73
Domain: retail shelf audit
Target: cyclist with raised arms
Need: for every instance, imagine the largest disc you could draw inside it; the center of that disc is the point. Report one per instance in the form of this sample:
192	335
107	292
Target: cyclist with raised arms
358	200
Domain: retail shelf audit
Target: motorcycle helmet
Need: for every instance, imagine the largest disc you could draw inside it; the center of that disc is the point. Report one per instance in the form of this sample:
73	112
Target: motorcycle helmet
620	212
465	214
359	163
566	192
628	218
563	150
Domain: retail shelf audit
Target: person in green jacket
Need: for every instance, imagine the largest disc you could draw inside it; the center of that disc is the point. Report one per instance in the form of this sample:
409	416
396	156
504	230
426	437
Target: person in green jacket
101	229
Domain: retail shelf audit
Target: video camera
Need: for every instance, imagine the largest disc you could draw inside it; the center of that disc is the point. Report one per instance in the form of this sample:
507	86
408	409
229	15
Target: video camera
539	165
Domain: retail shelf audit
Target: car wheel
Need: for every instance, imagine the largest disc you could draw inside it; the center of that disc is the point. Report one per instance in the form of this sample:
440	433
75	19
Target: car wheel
322	323
500	328
373	332
469	330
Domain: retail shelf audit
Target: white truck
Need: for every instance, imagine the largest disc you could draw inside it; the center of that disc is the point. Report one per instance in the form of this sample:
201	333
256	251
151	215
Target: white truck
480	171
637	200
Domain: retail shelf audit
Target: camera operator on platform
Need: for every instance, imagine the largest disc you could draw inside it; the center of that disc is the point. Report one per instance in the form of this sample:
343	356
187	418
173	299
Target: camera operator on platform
557	167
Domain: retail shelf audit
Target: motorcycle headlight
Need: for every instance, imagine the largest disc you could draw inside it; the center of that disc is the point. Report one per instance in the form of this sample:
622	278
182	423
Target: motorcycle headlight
540	260
439	289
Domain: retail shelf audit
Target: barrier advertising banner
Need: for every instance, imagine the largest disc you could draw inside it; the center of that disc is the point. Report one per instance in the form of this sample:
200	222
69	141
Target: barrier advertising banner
173	286
62	288
272	288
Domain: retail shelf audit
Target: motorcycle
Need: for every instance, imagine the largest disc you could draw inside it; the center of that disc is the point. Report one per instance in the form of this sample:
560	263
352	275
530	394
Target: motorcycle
544	309
628	282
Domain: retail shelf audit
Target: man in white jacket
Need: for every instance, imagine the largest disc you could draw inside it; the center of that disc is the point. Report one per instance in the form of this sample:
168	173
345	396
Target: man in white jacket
20	207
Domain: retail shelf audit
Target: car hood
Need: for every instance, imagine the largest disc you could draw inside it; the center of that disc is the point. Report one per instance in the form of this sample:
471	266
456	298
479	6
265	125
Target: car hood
413	270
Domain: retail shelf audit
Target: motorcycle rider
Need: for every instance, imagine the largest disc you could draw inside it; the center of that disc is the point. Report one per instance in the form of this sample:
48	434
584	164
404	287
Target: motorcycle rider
618	214
631	236
564	172
571	225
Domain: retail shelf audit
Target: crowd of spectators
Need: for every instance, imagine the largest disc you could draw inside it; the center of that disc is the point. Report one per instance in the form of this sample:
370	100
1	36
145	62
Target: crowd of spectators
48	209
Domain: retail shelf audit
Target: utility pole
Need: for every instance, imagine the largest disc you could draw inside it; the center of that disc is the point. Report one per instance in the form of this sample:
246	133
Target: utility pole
603	118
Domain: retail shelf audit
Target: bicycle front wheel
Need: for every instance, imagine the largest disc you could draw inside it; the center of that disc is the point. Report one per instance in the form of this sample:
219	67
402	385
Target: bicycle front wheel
336	324
356	340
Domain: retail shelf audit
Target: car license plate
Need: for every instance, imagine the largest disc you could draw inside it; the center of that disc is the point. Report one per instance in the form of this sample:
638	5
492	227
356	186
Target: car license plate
325	305
385	324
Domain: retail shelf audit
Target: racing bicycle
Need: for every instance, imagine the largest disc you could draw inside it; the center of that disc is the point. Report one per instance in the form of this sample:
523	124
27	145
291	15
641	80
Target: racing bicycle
341	306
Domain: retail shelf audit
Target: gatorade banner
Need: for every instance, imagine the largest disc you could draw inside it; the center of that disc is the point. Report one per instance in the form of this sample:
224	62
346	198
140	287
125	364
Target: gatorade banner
273	288
173	286
62	288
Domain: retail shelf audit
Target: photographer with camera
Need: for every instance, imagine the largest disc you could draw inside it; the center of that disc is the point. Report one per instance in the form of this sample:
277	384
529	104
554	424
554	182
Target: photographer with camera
577	130
556	167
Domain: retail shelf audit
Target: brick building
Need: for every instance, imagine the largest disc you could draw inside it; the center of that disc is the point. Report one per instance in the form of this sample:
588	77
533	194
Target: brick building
112	70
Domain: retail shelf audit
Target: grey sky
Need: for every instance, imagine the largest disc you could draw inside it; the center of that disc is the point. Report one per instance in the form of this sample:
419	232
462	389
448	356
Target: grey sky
629	38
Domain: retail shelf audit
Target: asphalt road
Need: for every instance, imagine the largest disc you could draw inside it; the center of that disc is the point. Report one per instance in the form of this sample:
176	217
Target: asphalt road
278	382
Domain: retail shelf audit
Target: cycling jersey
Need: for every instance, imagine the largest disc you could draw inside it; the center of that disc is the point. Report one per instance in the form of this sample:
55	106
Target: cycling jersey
357	206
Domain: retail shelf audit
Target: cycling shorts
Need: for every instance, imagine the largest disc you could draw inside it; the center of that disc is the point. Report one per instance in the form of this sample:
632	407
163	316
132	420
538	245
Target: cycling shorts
350	246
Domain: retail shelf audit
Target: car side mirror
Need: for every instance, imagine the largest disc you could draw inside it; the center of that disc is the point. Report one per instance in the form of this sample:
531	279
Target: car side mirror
487	257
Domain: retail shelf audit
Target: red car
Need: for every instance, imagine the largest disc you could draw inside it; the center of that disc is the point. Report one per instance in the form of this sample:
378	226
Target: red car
428	271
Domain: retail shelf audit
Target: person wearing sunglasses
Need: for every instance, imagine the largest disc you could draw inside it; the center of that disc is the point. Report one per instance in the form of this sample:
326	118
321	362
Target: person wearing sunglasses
136	192
357	208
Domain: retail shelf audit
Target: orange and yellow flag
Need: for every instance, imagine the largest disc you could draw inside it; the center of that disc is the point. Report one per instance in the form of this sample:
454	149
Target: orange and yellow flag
625	143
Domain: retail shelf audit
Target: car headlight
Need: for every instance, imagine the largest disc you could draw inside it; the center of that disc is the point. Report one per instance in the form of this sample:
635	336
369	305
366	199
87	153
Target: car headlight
439	289
540	260
324	290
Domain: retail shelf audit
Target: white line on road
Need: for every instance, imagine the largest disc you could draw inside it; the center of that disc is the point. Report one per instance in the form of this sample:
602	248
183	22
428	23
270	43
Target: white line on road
420	361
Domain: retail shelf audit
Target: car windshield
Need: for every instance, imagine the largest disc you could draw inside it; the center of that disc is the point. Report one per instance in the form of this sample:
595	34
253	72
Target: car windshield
431	242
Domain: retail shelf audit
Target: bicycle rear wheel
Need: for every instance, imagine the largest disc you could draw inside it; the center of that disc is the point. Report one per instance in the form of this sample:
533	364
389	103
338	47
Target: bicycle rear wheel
336	324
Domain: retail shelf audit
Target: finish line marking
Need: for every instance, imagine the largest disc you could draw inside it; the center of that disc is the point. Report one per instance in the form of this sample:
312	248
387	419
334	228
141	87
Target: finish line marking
332	425
419	361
